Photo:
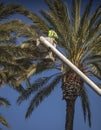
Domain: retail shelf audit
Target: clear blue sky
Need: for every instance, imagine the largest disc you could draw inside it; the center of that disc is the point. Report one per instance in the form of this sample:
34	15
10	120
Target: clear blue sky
50	115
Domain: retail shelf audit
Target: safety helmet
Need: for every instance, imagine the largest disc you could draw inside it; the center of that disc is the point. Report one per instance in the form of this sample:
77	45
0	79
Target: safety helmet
51	27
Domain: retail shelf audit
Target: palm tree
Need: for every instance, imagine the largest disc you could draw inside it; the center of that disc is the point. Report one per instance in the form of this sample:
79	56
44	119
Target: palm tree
79	37
4	102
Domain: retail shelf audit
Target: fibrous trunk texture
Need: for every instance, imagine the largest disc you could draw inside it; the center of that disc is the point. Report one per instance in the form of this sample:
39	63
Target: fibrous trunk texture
72	86
70	109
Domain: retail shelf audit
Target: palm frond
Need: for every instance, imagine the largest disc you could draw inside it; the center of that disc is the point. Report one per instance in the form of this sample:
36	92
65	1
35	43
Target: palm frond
93	59
41	95
15	51
53	16
17	27
35	68
15	61
36	86
85	106
7	10
4	121
84	21
95	69
94	34
90	49
76	15
37	21
62	13
4	102
20	89
94	17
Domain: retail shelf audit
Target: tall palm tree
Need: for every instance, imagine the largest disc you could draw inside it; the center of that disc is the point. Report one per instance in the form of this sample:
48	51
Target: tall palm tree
4	102
79	37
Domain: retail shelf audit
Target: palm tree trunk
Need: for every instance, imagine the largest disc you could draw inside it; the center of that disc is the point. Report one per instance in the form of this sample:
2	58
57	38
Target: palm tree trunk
70	109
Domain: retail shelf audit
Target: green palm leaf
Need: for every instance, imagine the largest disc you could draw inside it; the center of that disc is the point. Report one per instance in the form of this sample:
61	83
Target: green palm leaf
84	20
7	10
95	16
40	96
85	106
76	15
5	103
4	122
35	87
96	70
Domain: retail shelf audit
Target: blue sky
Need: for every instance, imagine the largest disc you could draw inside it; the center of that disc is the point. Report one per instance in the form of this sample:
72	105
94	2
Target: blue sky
50	115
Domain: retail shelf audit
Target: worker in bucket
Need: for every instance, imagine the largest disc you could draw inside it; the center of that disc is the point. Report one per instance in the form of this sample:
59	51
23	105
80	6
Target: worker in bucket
52	37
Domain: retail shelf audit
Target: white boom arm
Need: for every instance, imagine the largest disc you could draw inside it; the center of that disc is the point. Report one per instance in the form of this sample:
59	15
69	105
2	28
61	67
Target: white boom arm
71	65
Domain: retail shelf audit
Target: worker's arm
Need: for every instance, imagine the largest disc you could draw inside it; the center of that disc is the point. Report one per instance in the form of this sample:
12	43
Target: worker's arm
55	35
50	33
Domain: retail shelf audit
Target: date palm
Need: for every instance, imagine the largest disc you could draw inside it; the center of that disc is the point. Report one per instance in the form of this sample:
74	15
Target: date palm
79	37
4	102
